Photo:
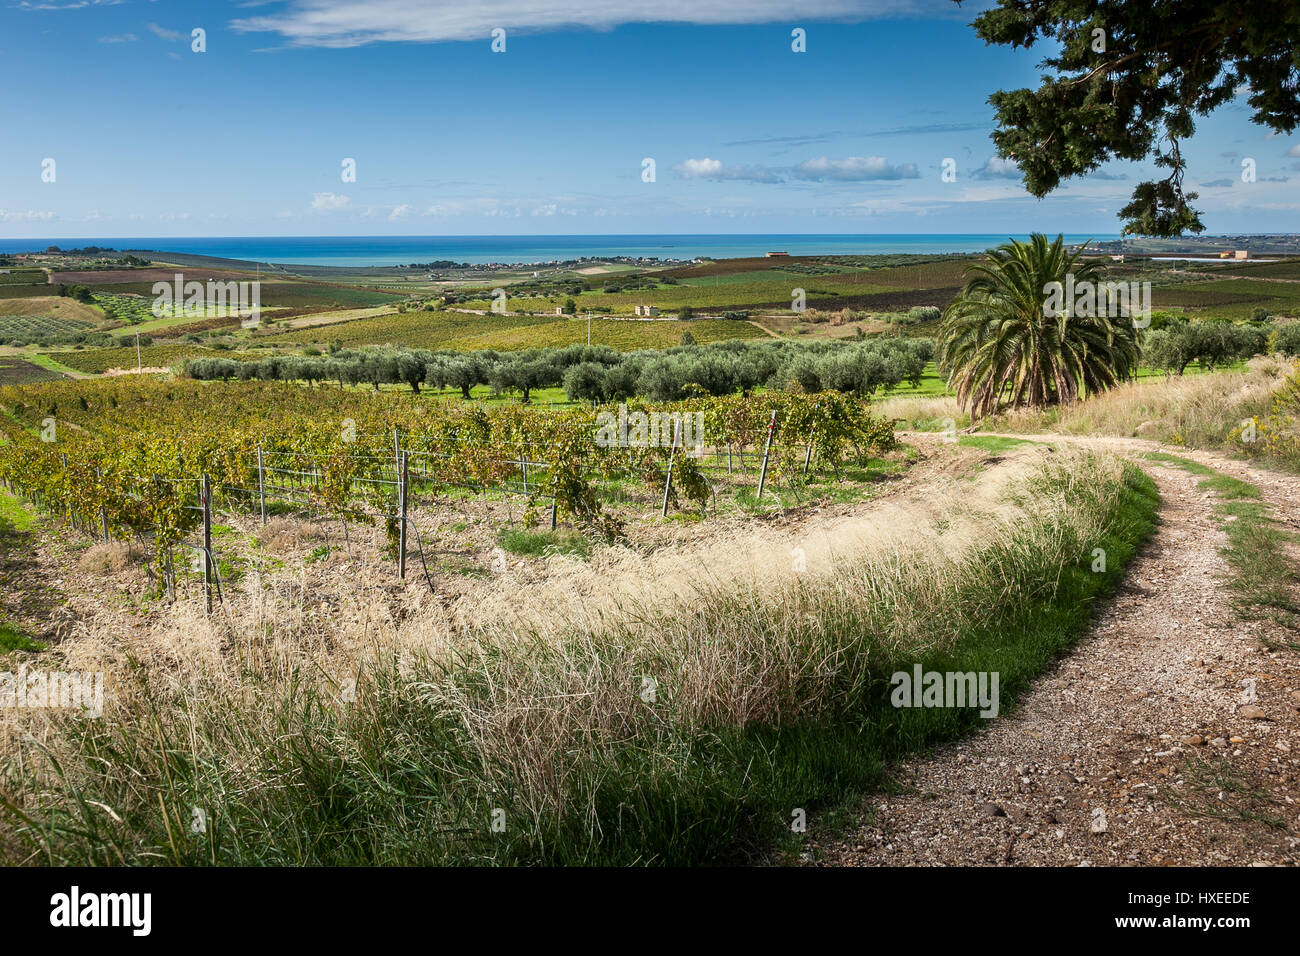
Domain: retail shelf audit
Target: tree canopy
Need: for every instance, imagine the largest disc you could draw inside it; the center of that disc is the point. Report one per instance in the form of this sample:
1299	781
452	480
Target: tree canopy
1128	79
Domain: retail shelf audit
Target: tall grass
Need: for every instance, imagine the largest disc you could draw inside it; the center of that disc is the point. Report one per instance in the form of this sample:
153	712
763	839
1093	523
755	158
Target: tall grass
643	727
1196	410
1206	412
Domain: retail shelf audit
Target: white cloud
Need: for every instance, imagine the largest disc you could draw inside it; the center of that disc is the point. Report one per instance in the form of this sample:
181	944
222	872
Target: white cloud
163	32
468	207
707	168
120	38
399	212
998	168
66	4
31	215
346	23
1294	150
329	201
853	169
699	168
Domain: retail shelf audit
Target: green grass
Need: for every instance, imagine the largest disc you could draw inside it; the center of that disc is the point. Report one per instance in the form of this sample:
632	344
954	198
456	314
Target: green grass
14	518
1218	790
991	442
48	362
12	639
536	544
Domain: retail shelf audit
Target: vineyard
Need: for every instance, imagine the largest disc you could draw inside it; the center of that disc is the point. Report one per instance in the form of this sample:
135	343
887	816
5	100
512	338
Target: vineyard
31	326
23	277
99	361
755	284
275	294
411	329
150	461
626	336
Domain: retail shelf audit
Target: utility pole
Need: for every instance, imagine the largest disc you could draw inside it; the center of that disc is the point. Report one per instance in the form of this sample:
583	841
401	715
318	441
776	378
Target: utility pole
137	353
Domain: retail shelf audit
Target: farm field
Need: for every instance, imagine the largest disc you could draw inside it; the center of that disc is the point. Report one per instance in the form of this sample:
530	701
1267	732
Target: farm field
99	361
481	540
19	291
276	293
13	326
23	277
758	291
416	329
1232	299
54	308
141	276
17	371
621	335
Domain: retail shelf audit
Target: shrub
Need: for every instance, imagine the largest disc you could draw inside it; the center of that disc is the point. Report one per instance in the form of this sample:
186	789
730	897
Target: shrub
1287	340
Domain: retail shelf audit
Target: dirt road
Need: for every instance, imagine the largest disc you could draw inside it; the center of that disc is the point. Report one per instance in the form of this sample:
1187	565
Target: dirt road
1143	746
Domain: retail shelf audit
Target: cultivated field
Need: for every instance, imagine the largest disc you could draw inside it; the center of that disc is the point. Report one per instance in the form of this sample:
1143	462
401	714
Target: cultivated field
384	572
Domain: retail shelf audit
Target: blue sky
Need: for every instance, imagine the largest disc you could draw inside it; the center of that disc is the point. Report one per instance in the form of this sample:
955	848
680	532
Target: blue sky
248	138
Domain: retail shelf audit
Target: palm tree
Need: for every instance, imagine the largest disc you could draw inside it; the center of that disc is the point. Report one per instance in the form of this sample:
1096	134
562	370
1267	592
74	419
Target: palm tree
1000	342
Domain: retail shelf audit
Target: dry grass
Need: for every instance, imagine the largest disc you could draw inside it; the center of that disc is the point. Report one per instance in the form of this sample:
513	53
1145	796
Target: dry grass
1199	410
1196	411
107	557
51	306
921	414
542	696
282	535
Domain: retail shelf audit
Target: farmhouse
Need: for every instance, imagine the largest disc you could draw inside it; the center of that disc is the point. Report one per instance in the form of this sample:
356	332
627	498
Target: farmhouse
775	255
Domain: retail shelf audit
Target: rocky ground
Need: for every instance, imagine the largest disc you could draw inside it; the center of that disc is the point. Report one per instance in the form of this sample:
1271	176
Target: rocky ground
1169	736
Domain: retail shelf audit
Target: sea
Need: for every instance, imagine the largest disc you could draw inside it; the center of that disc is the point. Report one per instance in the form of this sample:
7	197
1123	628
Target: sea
354	251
